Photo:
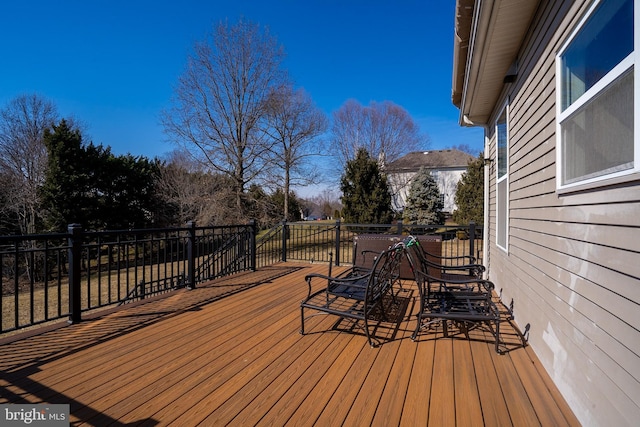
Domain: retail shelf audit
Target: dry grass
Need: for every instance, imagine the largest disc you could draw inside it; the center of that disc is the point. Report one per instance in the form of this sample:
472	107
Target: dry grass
52	302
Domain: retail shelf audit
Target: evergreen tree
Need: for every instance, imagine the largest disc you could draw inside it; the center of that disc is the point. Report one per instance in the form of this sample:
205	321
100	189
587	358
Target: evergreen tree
365	193
67	194
294	204
128	189
424	203
87	184
264	208
470	194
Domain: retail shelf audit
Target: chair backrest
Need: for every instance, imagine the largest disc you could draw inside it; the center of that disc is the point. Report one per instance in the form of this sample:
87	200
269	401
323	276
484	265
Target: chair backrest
423	280
385	272
419	259
370	245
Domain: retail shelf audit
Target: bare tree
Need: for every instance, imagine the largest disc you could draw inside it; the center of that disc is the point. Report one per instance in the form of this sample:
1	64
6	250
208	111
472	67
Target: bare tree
466	148
189	193
219	101
23	155
295	124
384	129
328	203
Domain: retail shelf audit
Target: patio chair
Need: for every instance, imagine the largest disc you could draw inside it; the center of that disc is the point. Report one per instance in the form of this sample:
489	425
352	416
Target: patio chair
356	295
447	267
464	302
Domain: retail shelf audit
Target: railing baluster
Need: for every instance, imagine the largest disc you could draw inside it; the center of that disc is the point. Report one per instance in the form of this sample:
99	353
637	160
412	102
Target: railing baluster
16	284
285	233
472	238
75	252
31	271
253	231
337	247
191	262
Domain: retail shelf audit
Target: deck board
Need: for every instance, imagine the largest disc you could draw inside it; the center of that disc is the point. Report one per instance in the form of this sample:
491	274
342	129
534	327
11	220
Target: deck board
467	400
417	402
230	353
494	410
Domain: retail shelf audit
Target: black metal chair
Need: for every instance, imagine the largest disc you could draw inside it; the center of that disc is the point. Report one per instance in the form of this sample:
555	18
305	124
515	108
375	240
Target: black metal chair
357	294
463	300
446	267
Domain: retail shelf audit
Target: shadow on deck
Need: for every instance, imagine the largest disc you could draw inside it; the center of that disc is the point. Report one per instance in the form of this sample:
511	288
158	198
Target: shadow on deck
229	352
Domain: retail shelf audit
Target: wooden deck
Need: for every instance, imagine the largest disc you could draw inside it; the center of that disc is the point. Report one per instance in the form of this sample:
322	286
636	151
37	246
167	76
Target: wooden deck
231	353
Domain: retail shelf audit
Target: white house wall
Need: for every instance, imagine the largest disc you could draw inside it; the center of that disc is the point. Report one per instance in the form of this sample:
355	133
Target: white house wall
447	180
572	269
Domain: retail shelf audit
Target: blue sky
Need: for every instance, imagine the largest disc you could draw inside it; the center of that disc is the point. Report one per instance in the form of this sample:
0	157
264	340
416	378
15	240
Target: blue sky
113	64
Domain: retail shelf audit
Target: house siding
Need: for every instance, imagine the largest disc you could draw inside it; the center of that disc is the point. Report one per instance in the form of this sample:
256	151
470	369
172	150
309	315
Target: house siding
572	269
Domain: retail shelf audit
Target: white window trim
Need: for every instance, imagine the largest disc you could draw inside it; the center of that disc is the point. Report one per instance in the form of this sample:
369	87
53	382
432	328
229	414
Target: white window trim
505	110
626	64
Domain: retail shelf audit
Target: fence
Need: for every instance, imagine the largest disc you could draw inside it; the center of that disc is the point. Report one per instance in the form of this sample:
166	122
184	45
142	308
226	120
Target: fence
313	241
52	276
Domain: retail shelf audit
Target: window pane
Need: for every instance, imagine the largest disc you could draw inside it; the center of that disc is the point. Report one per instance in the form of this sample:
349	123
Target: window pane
501	129
602	43
598	139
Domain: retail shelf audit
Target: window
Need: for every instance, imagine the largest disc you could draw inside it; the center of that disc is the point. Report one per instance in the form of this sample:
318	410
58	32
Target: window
595	100
502	181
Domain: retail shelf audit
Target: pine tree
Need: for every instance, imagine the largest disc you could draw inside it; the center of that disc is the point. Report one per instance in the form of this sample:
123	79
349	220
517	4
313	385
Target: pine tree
66	192
470	194
88	185
424	203
365	194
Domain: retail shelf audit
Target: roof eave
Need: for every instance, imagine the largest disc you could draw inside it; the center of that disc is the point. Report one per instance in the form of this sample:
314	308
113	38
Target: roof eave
496	31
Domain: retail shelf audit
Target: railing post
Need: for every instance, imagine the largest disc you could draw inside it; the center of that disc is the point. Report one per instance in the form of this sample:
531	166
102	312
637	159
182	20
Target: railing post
472	238
252	241
399	224
75	262
142	292
285	233
337	243
191	255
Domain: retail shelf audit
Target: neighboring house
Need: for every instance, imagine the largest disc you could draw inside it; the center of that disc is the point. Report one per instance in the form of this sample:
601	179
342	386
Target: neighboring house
553	84
446	167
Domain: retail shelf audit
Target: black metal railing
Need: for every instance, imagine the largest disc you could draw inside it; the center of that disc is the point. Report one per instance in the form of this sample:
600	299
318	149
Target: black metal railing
52	276
313	241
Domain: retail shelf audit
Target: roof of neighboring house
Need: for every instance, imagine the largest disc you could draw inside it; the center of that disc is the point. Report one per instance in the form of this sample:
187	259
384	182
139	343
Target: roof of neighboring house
432	159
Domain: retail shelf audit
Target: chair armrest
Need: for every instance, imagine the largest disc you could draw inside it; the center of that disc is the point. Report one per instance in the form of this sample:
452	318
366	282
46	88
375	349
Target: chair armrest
453	285
476	269
469	259
355	281
466	267
480	286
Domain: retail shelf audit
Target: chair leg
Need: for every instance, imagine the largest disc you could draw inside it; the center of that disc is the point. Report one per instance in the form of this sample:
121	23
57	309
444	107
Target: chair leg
418	327
498	336
301	320
366	331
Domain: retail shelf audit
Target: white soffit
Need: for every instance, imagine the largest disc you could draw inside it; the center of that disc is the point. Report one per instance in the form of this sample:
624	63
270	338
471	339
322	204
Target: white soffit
497	32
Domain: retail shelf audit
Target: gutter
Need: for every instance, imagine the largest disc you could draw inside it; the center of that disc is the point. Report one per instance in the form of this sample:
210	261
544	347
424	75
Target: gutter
462	30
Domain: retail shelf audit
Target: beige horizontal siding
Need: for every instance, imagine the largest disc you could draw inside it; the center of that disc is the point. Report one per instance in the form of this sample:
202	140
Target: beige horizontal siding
572	269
